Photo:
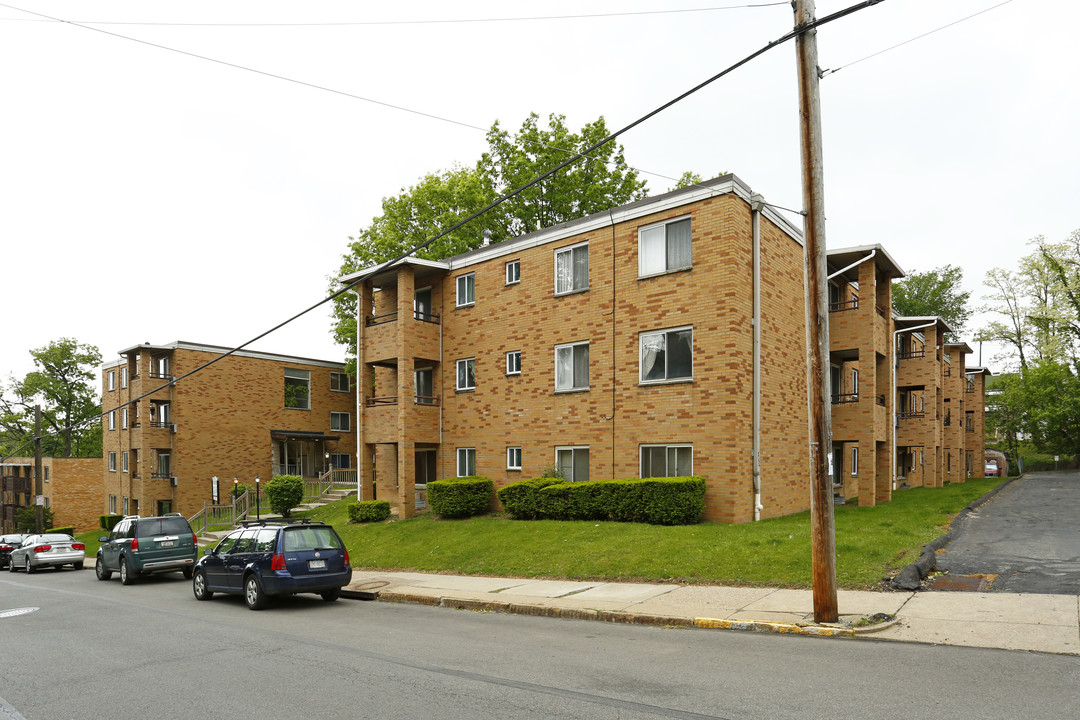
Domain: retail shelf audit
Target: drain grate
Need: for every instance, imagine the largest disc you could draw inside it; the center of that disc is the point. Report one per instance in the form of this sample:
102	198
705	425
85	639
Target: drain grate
15	612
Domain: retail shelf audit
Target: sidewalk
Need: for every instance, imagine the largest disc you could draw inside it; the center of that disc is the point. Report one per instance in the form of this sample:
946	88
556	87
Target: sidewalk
1039	623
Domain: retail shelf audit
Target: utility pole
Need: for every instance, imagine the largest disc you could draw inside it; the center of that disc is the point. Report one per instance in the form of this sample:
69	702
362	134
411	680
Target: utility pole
39	489
822	531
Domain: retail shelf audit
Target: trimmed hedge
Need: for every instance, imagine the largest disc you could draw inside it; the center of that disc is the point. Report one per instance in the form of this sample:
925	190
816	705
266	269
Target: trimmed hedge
66	530
459	497
369	511
284	493
107	522
656	501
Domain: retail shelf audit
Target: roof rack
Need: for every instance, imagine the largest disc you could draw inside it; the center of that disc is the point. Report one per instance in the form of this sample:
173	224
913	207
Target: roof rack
281	521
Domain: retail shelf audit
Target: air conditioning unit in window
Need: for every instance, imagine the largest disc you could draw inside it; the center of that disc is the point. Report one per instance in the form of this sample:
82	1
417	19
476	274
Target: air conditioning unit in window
172	481
172	428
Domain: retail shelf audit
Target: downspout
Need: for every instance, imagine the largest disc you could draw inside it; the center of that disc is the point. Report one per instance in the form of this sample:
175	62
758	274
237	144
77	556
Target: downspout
757	201
895	364
857	262
359	392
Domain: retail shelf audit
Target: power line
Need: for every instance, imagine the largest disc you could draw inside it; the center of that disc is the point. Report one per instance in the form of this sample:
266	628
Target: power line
917	37
448	21
495	203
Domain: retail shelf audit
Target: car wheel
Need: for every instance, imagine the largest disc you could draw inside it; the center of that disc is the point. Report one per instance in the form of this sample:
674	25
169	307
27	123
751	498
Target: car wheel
78	565
198	586
253	593
127	575
29	567
11	565
331	595
102	572
188	572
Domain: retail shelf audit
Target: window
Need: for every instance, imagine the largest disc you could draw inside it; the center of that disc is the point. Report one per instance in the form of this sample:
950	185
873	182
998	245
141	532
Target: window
513	362
466	289
667	355
466	462
47	468
513	272
125	508
340	460
513	458
112	419
664	248
854	381
339	421
159	367
112	379
425	386
124	461
123	377
667	460
572	367
573	462
572	269
297	389
854	461
466	374
112	504
339	382
112	461
164	466
124	418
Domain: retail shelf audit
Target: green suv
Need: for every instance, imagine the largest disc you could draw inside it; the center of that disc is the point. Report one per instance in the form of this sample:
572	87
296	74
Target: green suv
144	545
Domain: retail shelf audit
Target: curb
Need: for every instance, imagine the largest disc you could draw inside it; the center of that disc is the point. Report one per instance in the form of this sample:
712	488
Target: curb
624	617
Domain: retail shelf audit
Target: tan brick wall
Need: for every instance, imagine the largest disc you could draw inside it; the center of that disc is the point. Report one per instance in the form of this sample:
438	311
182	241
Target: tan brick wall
73	489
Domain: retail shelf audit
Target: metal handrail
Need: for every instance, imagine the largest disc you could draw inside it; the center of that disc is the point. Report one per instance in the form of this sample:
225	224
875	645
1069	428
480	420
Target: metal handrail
380	319
904	355
844	305
844	398
426	317
375	401
426	400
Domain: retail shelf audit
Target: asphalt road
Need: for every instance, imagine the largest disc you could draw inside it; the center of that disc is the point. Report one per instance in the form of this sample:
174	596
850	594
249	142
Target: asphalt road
1028	535
95	649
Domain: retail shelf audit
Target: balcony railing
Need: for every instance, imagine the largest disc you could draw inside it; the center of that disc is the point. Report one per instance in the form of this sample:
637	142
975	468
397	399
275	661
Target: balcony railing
969	428
380	319
844	305
159	376
845	398
426	317
880	310
160	475
135	424
906	354
426	400
911	415
970	389
880	400
377	401
156	424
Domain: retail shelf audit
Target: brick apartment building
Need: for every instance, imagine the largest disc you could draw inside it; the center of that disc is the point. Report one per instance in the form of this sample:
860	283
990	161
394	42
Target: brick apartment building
71	488
622	345
250	414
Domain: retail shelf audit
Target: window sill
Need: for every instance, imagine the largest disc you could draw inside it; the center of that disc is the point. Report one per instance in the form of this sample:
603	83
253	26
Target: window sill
666	272
307	409
513	282
465	390
572	292
466	305
676	381
513	374
571	391
513	469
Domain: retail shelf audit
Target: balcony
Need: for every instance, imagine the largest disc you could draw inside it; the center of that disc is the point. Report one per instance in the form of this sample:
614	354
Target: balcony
911	415
844	305
908	354
381	319
845	398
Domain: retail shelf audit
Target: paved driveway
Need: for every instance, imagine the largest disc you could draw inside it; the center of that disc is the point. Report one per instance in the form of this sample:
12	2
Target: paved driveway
1028	535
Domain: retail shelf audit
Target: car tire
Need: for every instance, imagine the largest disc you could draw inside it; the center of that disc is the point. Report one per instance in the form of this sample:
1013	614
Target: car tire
198	586
253	593
188	572
78	565
11	566
102	572
127	575
29	567
331	595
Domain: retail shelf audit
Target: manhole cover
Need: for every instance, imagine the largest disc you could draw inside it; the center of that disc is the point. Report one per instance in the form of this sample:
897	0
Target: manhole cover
13	612
963	583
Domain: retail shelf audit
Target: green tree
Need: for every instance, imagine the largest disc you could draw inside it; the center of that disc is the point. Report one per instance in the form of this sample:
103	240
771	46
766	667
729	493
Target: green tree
1051	403
285	492
934	292
26	519
63	383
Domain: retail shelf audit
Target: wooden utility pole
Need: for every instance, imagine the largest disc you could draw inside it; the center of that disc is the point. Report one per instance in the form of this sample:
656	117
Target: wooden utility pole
823	538
39	489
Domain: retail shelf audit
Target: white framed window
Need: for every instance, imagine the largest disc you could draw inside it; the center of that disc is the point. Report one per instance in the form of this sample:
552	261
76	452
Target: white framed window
112	419
466	462
572	367
667	460
124	418
339	382
123	376
46	468
125	505
339	421
667	355
513	458
124	461
466	374
466	289
664	248
513	272
111	375
112	504
572	269
112	461
854	461
297	389
164	465
424	385
854	381
513	362
573	462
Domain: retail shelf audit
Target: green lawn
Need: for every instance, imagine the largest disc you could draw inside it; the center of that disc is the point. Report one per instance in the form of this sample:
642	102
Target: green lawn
871	543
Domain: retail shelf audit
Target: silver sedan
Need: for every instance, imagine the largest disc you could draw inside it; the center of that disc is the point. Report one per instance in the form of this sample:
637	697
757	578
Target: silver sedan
50	549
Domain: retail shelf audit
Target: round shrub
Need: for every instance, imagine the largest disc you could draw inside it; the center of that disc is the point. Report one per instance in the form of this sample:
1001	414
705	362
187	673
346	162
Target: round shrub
459	497
369	511
285	492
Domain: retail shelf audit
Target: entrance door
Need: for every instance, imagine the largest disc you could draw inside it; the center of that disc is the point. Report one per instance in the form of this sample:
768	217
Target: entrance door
426	471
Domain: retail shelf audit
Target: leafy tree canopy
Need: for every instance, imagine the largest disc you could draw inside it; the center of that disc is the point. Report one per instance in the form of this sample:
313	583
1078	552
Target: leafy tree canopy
934	292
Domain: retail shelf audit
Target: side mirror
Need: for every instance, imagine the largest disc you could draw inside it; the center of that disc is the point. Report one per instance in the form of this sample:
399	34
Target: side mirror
208	551
103	539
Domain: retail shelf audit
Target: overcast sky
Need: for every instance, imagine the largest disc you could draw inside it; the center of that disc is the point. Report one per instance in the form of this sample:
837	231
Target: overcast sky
151	196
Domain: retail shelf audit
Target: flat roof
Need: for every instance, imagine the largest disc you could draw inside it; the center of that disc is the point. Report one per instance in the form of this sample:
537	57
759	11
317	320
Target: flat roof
843	257
219	349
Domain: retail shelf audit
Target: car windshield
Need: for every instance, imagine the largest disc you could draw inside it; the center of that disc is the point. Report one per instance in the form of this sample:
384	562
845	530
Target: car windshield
310	538
163	526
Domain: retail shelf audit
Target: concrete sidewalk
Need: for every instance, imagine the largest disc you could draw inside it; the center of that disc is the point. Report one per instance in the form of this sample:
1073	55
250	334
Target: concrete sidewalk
1039	623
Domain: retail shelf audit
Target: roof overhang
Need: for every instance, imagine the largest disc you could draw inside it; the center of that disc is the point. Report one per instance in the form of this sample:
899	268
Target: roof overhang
963	346
978	371
385	274
302	435
843	257
904	323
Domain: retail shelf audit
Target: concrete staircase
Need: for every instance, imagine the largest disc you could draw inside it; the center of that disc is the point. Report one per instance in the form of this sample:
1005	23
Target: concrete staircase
211	538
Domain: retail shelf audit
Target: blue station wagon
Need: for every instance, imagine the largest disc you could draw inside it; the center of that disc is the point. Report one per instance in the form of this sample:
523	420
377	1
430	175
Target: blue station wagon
266	558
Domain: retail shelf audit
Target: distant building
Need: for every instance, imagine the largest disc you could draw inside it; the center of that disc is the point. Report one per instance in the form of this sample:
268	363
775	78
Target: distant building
71	487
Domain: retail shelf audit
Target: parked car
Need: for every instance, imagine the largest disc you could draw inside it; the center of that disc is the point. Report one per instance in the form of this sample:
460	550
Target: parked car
7	544
991	469
266	558
48	549
143	545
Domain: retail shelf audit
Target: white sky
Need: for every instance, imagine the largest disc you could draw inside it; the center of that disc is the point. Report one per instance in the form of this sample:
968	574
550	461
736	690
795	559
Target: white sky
149	196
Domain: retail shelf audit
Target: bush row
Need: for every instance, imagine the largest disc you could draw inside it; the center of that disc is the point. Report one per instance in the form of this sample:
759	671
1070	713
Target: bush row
656	501
459	497
369	511
107	522
65	530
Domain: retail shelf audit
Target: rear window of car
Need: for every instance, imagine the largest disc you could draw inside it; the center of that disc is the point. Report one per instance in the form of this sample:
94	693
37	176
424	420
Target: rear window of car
163	526
56	538
310	538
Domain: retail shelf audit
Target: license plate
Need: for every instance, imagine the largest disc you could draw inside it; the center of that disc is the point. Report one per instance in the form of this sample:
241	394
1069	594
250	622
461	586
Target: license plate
316	564
168	543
